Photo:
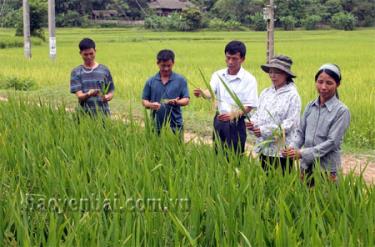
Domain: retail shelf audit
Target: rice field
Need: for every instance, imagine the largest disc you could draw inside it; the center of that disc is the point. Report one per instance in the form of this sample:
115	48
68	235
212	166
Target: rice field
130	55
68	180
73	181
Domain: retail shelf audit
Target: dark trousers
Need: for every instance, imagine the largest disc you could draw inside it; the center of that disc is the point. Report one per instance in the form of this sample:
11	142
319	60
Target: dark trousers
232	135
308	174
268	162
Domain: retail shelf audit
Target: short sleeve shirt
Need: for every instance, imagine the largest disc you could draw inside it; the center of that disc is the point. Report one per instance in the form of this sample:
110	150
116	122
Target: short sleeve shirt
155	91
244	85
83	79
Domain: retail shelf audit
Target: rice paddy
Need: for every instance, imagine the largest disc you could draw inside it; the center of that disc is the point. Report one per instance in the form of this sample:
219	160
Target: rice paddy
68	180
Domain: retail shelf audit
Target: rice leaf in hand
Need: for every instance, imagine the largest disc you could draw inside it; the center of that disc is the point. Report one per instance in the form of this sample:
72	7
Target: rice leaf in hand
208	86
279	133
212	93
235	98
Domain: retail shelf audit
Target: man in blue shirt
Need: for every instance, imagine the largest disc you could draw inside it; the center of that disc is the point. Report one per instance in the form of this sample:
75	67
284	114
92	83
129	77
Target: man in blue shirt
165	93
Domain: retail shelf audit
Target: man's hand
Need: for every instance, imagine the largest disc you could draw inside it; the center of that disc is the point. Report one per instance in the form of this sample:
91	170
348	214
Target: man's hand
92	92
291	153
249	125
154	106
226	117
107	97
198	92
173	101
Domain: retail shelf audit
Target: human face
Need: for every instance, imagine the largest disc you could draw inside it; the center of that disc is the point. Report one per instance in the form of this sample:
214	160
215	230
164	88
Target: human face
88	56
326	87
234	62
165	67
278	77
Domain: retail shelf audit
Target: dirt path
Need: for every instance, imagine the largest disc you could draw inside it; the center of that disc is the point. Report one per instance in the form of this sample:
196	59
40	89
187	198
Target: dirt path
350	162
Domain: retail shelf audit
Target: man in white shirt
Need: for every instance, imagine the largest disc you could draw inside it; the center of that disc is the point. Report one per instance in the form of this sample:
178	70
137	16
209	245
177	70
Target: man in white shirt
229	124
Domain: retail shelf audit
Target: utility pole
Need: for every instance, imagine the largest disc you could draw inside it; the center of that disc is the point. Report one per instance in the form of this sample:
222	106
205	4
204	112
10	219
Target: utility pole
269	16
51	29
26	29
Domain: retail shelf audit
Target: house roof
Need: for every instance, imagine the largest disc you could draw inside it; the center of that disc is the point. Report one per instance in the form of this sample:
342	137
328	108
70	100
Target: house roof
170	4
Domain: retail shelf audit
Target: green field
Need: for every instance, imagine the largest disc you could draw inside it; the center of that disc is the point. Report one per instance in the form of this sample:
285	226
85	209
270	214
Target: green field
130	54
68	180
69	184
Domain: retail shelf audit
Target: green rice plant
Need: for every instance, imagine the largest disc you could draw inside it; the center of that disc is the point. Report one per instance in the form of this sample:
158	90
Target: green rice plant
235	98
48	153
133	62
278	135
103	87
212	93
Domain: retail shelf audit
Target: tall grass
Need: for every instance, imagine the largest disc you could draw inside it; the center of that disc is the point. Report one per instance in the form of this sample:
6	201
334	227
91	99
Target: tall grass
132	63
48	153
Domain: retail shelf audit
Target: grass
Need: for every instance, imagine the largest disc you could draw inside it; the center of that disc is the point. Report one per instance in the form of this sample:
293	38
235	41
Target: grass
9	40
73	181
50	161
130	55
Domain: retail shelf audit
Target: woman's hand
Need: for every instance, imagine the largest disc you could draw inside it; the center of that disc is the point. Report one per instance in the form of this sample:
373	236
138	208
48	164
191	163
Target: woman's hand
291	153
257	132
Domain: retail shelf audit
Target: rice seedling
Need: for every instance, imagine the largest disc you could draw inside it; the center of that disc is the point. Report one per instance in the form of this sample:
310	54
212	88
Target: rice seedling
81	181
64	184
236	100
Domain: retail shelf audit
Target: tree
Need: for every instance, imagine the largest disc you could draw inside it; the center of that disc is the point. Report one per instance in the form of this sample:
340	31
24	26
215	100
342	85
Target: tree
344	21
38	19
311	22
288	22
193	18
258	22
238	10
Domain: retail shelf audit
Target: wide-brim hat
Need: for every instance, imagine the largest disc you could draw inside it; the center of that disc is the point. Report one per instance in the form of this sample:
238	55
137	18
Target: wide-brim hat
282	63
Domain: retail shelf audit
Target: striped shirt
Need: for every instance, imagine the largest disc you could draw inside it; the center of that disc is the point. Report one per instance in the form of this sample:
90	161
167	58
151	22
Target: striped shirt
83	79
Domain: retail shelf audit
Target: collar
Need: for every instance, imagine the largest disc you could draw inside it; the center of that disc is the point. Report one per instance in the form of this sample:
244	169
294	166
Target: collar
329	104
239	75
171	77
286	88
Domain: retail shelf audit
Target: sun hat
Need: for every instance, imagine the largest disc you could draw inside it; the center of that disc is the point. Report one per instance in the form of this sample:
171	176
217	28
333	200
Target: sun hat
281	62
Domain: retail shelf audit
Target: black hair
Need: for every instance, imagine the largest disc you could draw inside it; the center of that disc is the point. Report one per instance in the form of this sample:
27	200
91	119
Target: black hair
329	72
234	47
86	43
165	55
335	77
289	79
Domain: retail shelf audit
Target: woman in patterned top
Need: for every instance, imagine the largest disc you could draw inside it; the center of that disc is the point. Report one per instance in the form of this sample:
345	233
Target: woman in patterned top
322	127
277	117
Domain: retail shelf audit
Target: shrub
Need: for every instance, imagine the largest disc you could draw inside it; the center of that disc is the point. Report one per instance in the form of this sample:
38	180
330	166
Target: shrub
11	18
288	22
38	19
258	23
219	24
345	21
187	21
71	19
193	18
19	84
311	22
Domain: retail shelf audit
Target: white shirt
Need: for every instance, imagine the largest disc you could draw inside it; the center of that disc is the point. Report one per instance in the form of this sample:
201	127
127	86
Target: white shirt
276	108
244	85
